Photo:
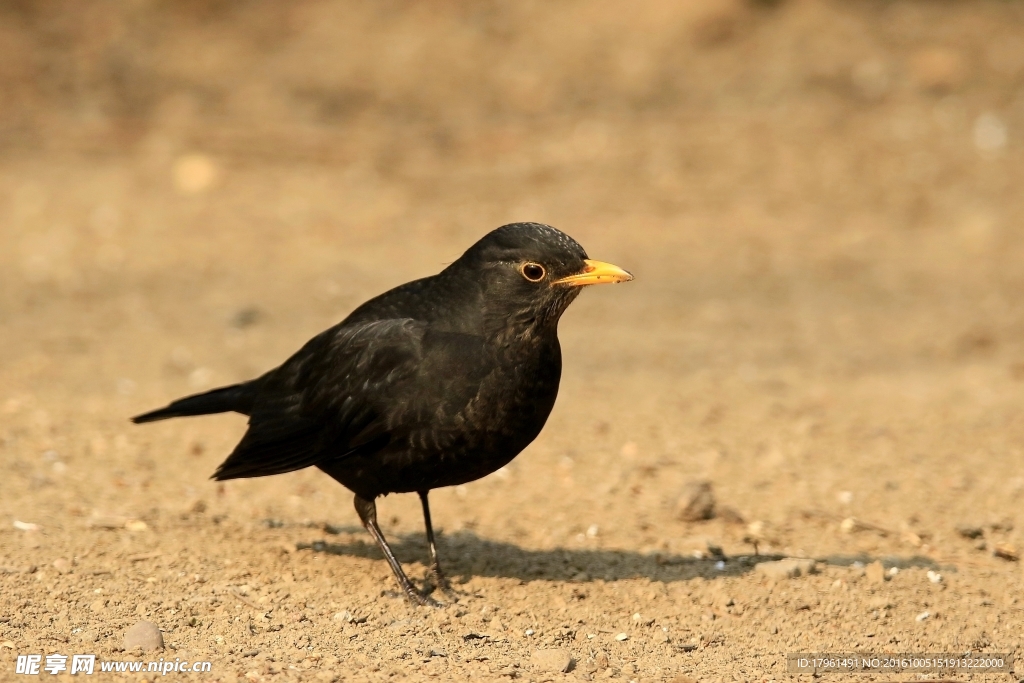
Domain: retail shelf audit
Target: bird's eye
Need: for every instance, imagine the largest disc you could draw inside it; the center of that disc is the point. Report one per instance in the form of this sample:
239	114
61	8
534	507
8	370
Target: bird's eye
534	272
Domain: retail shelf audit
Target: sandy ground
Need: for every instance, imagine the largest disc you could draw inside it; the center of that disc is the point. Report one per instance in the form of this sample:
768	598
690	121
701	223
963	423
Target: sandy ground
820	202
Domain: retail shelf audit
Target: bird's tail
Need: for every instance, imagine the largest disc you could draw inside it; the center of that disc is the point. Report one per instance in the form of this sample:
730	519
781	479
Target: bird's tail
235	398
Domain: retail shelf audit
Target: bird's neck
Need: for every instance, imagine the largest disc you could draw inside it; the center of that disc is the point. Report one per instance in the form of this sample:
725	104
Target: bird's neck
516	327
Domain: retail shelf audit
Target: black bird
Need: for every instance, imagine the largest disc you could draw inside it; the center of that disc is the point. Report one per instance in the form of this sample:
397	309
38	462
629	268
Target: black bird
436	382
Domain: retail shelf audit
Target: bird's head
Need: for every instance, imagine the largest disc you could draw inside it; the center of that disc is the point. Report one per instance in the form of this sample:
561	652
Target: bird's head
530	272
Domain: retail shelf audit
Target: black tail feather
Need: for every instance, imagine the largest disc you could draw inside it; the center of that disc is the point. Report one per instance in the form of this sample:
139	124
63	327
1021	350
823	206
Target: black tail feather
236	398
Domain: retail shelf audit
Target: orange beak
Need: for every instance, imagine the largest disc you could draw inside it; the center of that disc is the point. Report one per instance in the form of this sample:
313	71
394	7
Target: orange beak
596	273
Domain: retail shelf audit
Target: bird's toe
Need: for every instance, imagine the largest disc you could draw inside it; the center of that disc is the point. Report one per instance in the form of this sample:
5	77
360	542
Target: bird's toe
422	599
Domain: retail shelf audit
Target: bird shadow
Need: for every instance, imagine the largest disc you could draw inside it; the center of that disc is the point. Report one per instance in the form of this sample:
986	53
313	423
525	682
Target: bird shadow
465	555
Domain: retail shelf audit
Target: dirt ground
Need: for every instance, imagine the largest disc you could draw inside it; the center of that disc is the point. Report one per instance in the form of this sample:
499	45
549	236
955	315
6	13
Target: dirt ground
820	202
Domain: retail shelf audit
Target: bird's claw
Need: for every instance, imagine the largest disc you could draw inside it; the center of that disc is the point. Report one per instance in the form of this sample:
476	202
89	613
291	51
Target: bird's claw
435	582
421	599
427	601
438	581
450	593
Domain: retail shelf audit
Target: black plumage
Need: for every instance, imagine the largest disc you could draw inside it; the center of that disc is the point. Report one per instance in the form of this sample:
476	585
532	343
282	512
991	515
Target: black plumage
437	382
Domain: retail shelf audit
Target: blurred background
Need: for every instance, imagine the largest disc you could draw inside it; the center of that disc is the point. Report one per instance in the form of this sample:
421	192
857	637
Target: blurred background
872	145
821	201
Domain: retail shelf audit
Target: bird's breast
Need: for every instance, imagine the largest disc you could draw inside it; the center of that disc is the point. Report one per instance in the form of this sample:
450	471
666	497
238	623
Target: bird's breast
514	398
504	412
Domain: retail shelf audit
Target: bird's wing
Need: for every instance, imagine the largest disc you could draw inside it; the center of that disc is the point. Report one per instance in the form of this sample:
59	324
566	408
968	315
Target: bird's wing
351	389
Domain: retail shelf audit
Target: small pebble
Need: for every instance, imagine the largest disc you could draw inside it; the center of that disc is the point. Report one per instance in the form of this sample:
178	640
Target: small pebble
1005	551
622	636
969	531
933	576
106	522
756	528
144	634
554	660
922	616
875	572
851	525
789	568
729	515
62	565
25	526
912	538
696	502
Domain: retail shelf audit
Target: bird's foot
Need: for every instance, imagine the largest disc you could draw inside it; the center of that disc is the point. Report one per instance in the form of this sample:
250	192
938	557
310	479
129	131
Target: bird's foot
421	599
438	581
414	595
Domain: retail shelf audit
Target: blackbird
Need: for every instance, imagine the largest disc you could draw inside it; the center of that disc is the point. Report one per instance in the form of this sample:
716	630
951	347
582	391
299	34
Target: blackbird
437	382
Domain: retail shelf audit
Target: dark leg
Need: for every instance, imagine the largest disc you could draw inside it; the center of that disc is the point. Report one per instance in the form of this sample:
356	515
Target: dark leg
435	565
367	511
